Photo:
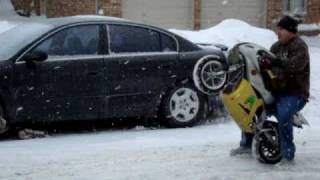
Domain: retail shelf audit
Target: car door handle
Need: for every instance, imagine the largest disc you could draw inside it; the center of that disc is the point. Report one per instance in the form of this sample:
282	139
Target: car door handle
166	66
93	73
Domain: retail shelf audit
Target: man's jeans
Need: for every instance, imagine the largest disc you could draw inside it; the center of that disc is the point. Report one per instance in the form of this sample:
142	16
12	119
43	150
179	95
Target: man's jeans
246	140
287	106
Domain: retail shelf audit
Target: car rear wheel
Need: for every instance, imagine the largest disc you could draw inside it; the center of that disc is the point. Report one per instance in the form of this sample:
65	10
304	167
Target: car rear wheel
209	75
183	106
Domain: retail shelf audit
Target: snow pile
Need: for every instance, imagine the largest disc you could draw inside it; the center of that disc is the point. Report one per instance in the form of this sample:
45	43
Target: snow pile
230	32
6	9
309	27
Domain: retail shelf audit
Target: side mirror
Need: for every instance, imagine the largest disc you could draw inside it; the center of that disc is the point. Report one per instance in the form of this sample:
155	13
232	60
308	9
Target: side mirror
221	47
35	56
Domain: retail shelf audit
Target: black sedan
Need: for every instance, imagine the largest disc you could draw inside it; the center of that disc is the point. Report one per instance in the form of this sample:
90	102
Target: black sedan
92	67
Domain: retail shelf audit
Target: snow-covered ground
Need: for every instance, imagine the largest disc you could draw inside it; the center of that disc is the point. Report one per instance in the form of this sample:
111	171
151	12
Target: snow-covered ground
201	152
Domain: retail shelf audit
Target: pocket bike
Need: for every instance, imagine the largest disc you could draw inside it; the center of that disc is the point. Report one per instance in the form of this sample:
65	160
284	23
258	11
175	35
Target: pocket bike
245	88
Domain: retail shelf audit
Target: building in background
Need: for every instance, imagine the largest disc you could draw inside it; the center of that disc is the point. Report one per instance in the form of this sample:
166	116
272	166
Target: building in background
180	14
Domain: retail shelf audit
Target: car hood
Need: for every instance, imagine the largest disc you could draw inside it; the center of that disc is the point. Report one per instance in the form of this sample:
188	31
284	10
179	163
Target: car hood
20	36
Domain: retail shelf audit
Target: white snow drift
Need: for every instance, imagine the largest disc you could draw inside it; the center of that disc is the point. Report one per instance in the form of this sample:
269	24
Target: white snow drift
230	32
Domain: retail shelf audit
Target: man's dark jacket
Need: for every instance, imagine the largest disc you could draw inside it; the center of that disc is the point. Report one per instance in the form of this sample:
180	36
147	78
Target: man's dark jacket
295	65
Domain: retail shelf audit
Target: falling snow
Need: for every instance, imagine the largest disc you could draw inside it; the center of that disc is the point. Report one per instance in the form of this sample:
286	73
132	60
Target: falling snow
201	152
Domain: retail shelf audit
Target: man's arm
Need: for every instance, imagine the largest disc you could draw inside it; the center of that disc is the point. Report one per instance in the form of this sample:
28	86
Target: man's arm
276	61
298	58
273	48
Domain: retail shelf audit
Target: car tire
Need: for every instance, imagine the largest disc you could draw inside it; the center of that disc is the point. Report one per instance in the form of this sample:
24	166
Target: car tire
209	75
183	106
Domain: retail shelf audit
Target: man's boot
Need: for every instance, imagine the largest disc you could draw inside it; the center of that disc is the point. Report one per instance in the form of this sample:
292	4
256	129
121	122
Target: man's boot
240	150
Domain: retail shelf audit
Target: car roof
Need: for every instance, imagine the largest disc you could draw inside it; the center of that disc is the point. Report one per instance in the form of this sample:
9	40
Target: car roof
64	21
60	21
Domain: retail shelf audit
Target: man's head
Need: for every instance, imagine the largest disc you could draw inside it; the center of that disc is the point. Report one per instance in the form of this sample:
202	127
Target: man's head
287	28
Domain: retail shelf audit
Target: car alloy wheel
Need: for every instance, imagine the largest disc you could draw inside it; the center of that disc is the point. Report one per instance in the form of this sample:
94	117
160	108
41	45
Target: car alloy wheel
184	104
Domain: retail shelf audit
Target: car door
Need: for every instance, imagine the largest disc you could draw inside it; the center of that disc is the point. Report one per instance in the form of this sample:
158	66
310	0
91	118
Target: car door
146	66
69	84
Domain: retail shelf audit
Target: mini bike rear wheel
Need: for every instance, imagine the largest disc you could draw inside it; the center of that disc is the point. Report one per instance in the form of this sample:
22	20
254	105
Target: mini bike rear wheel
266	144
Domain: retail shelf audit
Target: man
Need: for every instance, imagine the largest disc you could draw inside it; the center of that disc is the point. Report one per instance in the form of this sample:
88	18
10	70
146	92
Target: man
293	59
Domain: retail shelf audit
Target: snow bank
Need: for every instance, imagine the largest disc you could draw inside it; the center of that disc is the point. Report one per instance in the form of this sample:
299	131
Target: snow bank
6	9
230	32
309	27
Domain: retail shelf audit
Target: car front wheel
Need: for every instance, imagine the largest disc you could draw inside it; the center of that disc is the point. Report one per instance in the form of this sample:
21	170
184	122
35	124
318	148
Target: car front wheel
183	106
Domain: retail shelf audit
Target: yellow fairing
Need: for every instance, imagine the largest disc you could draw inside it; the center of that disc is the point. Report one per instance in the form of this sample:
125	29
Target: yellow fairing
242	105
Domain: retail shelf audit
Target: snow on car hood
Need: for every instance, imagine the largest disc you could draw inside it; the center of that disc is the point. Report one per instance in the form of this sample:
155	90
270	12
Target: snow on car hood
15	38
5	25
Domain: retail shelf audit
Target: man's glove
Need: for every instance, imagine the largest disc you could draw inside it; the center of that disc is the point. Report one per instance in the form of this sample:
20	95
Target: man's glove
266	59
277	62
265	63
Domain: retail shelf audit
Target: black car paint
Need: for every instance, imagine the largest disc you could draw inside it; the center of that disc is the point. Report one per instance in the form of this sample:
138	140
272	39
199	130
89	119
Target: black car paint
96	88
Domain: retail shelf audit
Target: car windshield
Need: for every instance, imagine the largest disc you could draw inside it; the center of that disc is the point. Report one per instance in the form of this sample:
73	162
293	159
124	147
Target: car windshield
18	37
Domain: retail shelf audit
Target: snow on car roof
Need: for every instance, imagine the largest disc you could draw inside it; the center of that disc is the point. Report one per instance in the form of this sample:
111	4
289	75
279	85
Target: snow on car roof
80	18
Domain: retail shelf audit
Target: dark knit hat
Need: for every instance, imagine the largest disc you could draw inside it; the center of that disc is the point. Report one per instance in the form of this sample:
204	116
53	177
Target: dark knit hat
288	23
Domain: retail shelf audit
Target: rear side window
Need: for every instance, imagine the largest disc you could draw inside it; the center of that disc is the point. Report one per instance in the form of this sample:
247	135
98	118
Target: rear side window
132	39
79	40
168	43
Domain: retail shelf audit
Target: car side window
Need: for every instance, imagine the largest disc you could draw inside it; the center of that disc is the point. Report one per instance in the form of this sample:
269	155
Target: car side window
132	39
168	44
78	40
